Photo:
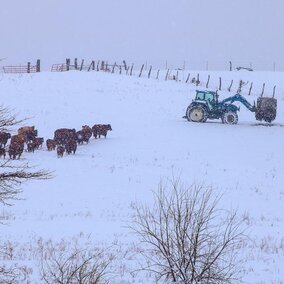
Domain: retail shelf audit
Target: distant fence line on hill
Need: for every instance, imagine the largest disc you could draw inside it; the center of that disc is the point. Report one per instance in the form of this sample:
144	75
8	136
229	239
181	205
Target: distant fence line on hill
23	68
145	70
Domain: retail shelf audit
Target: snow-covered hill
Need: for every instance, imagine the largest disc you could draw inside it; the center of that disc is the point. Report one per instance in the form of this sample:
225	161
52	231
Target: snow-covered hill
92	191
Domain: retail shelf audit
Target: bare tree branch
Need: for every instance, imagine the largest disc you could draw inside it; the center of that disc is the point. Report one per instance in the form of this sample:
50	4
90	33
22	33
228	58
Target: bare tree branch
187	238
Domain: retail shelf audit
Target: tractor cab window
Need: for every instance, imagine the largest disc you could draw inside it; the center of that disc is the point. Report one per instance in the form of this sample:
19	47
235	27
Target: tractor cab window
200	96
209	97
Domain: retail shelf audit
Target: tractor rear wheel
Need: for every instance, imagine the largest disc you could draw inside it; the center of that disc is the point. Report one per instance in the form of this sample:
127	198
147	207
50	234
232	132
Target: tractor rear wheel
196	113
230	117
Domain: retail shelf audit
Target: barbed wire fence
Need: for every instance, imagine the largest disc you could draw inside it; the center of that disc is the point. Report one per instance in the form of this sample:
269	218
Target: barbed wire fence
217	79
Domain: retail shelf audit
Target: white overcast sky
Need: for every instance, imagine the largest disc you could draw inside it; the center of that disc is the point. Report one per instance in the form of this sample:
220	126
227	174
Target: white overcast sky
194	31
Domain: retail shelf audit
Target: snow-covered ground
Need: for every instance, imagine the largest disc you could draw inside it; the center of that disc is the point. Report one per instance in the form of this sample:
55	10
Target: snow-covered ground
91	193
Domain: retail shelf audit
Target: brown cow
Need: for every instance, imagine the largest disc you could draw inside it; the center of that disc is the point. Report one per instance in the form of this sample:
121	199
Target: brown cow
101	130
60	151
62	135
15	149
31	146
18	139
29	132
71	146
4	136
84	135
2	152
24	129
50	144
38	141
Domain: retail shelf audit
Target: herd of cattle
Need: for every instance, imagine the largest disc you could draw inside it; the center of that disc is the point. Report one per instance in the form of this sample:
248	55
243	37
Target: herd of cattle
64	140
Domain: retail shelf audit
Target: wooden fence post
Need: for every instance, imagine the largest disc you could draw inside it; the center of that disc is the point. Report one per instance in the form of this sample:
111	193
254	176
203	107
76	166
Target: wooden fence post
167	74
38	65
82	63
141	70
29	67
98	65
273	91
131	69
103	65
91	66
177	76
197	80
149	73
157	77
230	65
76	64
263	86
229	89
250	89
125	65
187	78
241	84
207	81
113	67
67	64
220	83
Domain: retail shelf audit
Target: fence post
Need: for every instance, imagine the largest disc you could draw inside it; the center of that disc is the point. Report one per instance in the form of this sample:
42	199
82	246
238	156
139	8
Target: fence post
273	91
76	64
113	67
207	81
131	69
197	81
187	78
149	73
141	70
38	65
263	86
67	64
29	67
103	65
92	63
220	83
250	89
229	89
167	74
157	77
125	65
82	63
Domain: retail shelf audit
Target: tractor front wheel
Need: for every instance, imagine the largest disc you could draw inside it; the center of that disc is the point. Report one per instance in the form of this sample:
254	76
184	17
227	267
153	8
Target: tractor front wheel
196	114
230	117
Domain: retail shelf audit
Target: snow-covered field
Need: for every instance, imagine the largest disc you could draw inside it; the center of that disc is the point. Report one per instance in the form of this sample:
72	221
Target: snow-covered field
91	193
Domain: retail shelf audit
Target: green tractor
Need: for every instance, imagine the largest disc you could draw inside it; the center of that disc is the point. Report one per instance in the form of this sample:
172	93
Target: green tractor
207	106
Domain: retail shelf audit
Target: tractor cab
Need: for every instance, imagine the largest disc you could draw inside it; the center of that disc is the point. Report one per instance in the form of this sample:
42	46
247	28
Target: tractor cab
210	98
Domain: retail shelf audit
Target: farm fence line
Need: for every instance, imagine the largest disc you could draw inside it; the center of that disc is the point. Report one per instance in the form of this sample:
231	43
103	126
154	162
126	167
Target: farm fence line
145	70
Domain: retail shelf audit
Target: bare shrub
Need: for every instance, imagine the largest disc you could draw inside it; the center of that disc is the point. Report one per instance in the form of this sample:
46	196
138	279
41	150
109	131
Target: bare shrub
13	174
9	275
75	266
186	238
